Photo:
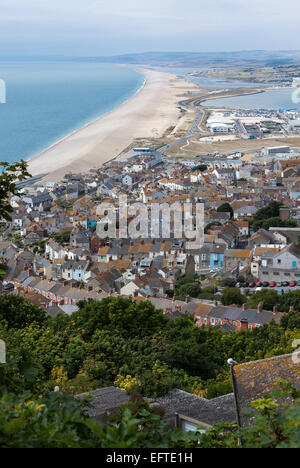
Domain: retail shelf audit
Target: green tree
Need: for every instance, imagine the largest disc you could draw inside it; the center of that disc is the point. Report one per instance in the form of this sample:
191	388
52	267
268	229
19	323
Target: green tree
226	208
267	297
10	174
18	313
232	296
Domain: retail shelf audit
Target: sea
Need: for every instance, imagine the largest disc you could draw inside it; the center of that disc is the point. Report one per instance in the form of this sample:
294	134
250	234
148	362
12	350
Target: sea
46	101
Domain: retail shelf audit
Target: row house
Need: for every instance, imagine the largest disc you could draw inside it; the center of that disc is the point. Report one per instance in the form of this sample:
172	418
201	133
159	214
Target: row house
239	318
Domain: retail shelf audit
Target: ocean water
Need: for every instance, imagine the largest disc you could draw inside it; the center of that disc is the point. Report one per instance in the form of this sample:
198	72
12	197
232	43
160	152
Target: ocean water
270	99
47	101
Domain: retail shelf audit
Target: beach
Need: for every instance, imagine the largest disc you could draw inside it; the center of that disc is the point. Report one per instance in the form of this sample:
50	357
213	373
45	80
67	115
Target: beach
148	114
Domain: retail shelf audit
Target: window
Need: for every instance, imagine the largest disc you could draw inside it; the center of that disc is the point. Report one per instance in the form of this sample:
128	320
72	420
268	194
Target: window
294	265
279	261
276	273
212	321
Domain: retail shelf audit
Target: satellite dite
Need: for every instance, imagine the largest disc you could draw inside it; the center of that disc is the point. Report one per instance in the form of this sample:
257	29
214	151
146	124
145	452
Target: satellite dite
2	92
2	352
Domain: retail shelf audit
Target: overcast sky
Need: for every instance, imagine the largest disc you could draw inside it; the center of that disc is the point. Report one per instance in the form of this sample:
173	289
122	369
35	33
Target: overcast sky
98	27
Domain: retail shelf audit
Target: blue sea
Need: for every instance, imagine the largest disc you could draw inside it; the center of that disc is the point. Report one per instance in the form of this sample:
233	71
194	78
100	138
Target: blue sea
47	101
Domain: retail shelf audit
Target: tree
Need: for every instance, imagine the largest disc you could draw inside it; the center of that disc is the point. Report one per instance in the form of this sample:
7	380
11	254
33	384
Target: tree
63	238
226	208
19	313
267	297
118	313
201	168
291	321
232	296
9	176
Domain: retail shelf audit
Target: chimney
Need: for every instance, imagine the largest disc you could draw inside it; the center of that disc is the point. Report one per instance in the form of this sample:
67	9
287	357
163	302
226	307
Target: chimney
275	309
260	308
187	299
244	307
174	298
244	324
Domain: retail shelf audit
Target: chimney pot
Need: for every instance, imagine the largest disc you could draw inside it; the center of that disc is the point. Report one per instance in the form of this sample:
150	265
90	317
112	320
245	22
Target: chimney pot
259	307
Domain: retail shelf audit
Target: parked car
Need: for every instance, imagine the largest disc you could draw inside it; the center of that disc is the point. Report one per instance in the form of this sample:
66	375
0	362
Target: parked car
272	284
266	284
252	285
293	284
298	283
259	284
285	284
280	284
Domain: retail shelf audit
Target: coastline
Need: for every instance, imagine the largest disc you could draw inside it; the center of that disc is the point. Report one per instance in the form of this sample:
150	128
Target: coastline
147	114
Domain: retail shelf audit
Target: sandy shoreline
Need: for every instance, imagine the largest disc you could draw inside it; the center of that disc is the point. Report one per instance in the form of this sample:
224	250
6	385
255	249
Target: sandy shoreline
148	114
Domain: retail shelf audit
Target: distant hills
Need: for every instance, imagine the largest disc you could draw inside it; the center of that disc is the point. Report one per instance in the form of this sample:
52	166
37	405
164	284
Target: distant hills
187	59
200	59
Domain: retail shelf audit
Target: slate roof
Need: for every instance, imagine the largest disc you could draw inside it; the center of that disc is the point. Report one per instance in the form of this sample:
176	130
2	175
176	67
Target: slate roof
218	410
236	314
104	399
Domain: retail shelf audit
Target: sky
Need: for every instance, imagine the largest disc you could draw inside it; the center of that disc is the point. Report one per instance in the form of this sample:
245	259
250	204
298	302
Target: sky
112	27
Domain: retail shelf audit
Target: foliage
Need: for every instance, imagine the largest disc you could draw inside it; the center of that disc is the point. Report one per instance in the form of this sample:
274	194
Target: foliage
268	216
19	313
267	297
232	296
10	174
226	208
63	238
270	298
200	167
3	272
